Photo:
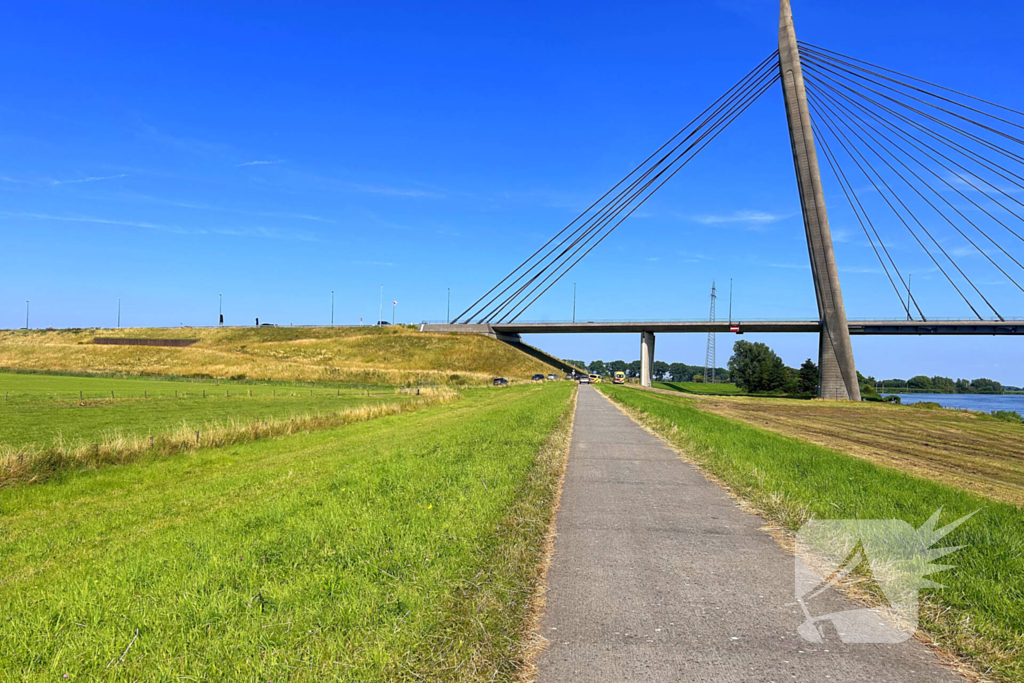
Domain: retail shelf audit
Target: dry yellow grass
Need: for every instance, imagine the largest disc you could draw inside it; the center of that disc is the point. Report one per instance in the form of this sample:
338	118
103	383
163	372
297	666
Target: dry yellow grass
365	355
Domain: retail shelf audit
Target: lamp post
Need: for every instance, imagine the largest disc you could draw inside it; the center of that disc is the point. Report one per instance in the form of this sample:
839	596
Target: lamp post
118	312
448	315
910	278
730	302
220	310
394	304
332	308
574	302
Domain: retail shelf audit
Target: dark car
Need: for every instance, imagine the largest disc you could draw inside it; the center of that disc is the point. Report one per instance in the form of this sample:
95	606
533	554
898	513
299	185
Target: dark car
500	382
538	378
382	323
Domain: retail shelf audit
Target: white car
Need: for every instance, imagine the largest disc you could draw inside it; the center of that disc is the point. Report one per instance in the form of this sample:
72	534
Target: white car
584	379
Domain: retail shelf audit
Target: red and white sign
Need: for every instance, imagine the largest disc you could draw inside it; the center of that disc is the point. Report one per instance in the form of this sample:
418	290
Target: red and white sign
734	328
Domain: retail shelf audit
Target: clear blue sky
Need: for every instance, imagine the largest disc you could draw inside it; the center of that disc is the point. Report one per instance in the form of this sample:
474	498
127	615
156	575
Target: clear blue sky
274	152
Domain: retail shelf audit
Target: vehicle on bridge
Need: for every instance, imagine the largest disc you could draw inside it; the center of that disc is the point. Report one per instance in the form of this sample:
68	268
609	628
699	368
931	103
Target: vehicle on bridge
619	378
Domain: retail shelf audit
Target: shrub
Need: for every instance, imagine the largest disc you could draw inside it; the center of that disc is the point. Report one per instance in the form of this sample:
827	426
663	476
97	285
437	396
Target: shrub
1008	416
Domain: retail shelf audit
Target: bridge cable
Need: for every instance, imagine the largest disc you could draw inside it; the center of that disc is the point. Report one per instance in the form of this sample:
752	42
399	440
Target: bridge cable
592	233
556	265
861	123
832	55
641	165
917	143
850	196
609	212
835	118
840	137
718	132
838	71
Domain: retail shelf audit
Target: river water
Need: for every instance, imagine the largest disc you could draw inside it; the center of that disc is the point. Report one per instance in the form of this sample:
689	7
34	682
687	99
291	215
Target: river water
984	403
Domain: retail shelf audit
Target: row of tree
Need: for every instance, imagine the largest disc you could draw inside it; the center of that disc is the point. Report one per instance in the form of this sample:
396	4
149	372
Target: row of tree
942	385
754	367
662	371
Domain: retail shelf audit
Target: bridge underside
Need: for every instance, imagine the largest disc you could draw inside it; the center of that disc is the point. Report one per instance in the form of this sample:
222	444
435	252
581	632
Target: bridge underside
869	327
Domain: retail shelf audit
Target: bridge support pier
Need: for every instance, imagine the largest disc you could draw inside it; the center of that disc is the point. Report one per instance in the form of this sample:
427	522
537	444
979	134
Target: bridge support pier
646	359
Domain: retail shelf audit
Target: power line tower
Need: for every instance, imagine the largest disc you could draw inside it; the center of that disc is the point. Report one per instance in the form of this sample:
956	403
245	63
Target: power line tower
709	358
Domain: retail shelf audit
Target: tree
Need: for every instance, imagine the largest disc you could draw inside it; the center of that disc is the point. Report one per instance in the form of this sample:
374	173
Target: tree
986	386
697	377
597	367
755	367
963	386
633	369
807	378
680	372
660	369
617	366
921	383
943	385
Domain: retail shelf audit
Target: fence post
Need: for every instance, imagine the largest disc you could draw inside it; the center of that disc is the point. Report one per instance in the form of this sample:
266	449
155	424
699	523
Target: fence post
79	395
111	393
197	437
204	393
150	442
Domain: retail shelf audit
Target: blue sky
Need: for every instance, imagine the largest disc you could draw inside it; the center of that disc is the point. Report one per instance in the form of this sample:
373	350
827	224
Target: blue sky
165	154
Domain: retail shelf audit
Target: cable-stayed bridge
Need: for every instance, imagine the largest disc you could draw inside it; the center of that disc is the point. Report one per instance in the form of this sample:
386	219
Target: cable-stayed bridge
912	159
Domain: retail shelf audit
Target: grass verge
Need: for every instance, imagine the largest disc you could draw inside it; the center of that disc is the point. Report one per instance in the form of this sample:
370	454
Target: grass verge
33	464
979	613
401	549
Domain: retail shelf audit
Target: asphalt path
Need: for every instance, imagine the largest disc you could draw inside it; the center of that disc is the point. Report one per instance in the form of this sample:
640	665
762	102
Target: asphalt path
657	575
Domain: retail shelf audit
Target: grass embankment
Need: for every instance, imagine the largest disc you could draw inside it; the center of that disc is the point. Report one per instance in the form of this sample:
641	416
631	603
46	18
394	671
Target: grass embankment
50	424
404	548
715	389
35	409
979	612
372	355
968	450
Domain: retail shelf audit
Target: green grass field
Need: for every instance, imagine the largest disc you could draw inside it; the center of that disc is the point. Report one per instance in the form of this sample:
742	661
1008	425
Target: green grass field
35	408
716	389
403	548
979	612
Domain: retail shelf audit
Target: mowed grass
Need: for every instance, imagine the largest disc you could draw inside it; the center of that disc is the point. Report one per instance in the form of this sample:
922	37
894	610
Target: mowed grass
968	450
405	548
395	355
715	389
979	612
36	409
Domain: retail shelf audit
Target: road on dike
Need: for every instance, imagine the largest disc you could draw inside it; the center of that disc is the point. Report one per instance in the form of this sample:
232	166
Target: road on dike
657	575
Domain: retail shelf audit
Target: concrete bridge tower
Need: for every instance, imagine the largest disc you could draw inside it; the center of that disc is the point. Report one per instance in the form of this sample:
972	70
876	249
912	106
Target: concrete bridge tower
837	371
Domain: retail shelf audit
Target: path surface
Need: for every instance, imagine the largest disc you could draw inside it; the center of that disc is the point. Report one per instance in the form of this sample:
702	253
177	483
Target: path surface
658	576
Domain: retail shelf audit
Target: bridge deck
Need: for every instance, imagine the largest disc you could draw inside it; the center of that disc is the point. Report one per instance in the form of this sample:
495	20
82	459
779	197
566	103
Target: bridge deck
860	327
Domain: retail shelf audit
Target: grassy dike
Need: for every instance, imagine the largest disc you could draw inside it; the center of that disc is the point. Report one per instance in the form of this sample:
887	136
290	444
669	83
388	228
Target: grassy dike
404	548
980	611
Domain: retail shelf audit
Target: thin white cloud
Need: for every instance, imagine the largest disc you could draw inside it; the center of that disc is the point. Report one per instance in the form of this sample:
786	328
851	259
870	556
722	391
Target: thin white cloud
371	263
90	179
393	191
261	162
270	233
749	217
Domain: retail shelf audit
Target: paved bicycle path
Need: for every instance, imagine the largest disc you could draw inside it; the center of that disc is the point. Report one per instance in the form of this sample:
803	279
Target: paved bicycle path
657	575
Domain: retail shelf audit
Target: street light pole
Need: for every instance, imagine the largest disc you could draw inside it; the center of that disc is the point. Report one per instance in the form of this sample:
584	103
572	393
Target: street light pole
118	312
220	310
574	302
332	308
394	305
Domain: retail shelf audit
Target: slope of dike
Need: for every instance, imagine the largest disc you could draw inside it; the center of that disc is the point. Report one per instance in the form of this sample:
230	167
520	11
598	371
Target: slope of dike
389	355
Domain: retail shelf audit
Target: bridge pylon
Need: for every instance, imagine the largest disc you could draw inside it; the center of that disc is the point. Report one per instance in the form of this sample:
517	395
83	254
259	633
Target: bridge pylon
837	371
